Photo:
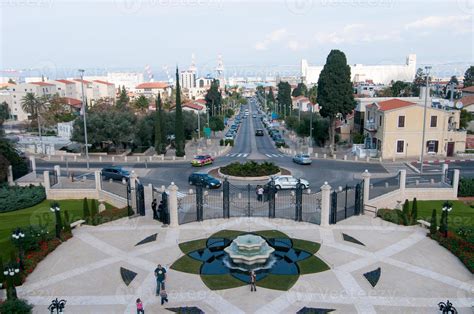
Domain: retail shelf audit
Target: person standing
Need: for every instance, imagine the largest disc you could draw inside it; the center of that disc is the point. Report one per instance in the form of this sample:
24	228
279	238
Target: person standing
160	274
253	280
161	212
260	191
153	207
140	309
164	296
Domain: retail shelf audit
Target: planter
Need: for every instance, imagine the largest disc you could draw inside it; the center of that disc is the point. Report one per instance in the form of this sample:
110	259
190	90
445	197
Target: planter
261	178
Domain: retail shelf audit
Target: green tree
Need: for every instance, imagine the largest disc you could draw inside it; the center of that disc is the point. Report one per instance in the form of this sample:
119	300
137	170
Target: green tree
313	94
469	77
414	211
433	222
141	104
85	210
213	99
179	128
4	112
10	81
67	222
19	164
335	92
284	99
271	96
216	123
300	90
418	82
443	223
123	99
465	118
94	211
400	89
406	213
160	136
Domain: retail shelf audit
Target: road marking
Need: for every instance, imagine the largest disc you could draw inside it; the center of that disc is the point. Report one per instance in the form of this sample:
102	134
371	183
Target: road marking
275	155
245	155
268	155
239	155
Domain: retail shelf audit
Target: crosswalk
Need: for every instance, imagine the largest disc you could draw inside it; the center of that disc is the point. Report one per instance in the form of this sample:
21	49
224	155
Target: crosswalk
244	155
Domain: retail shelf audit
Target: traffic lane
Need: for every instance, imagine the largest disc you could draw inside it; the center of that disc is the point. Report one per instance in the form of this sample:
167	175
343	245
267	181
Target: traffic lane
264	143
242	140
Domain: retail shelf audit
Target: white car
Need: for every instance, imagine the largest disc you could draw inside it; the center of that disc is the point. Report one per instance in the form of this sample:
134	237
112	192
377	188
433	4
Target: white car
288	182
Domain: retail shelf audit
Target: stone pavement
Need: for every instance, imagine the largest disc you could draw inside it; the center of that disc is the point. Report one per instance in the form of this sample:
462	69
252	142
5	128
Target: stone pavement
416	273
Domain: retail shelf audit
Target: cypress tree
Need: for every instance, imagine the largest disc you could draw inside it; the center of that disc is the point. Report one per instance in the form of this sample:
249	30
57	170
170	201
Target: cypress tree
406	213
433	222
160	138
414	212
85	210
179	127
443	226
94	212
335	93
67	222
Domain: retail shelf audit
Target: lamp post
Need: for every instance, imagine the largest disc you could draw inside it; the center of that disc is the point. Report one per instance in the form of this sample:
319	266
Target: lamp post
84	111
447	207
311	126
56	210
10	273
447	307
17	237
427	87
57	305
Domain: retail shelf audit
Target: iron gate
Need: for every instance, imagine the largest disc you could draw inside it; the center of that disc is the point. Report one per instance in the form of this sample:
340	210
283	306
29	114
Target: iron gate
53	178
448	176
140	198
346	202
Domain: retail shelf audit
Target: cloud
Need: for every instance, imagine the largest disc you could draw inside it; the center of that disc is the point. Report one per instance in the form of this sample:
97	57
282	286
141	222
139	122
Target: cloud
275	36
356	33
433	22
296	45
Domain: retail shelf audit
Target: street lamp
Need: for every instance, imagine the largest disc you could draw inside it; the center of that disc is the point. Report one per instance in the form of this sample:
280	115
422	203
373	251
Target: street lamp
447	207
57	305
56	210
84	110
447	307
311	126
427	87
17	238
10	273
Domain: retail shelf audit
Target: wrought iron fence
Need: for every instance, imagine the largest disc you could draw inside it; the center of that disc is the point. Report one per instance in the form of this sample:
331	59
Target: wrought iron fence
311	206
53	178
346	202
187	207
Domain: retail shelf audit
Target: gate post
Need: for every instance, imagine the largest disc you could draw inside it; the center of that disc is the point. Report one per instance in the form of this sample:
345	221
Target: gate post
226	198
325	204
298	202
271	199
357	203
366	177
402	175
199	202
345	203
173	205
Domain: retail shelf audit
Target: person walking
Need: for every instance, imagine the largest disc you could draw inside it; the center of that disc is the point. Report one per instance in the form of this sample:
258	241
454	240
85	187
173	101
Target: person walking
160	274
253	280
140	309
164	296
260	191
153	207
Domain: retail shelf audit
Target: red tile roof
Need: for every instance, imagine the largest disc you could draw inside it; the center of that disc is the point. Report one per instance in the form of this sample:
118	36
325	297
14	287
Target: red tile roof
193	105
469	89
76	103
104	82
65	81
152	85
42	83
392	104
85	82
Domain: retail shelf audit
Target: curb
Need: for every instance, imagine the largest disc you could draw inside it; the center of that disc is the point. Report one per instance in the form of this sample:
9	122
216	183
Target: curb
443	161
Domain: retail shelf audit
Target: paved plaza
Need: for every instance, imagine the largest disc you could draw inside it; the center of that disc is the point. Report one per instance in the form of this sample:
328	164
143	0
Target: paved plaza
416	273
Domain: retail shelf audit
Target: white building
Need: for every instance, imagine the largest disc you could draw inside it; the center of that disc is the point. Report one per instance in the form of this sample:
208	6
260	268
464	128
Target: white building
104	89
94	90
65	88
65	129
17	92
379	74
127	79
303	104
152	89
187	79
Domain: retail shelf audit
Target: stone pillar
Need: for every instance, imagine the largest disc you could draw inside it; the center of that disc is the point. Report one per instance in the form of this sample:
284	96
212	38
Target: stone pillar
11	182
133	198
403	181
366	177
444	169
173	205
47	183
33	163
98	181
148	191
455	182
57	169
325	204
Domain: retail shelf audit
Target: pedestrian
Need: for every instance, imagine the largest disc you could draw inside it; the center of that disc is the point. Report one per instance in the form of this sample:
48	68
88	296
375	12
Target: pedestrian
164	296
253	279
153	207
140	309
260	193
161	212
265	193
160	274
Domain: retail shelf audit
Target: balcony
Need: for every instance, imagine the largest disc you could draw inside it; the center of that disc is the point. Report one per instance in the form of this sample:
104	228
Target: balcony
370	125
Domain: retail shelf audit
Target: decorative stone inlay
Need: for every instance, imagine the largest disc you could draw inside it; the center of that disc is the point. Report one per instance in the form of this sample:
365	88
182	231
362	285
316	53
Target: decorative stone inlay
127	275
186	310
148	239
348	238
314	310
373	276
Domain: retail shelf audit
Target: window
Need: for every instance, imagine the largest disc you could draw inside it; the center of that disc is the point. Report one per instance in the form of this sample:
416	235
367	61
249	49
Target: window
400	146
401	121
434	121
380	120
432	146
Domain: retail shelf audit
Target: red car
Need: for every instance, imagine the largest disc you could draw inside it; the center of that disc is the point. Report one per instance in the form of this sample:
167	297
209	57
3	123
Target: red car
202	160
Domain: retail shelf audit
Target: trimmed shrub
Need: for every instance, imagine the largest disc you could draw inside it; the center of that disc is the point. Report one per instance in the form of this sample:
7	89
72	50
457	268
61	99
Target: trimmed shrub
94	212
414	212
67	222
433	222
391	215
406	213
17	197
85	210
443	222
250	169
16	306
466	187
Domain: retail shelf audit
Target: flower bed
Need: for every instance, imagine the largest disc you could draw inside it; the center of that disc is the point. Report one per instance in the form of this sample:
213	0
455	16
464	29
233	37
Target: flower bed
250	169
458	246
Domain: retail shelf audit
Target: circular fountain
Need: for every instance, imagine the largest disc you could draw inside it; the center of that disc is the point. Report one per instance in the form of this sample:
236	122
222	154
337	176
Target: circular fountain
249	250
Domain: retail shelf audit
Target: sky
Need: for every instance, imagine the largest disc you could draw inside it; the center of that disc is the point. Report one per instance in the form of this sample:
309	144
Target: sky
129	34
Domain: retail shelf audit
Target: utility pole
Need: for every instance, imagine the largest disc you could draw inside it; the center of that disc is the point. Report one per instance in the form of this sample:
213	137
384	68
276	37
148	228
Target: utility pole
84	111
427	87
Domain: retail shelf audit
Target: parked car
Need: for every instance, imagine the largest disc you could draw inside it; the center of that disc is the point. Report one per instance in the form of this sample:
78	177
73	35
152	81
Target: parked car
204	179
259	132
254	115
302	159
288	182
202	160
115	173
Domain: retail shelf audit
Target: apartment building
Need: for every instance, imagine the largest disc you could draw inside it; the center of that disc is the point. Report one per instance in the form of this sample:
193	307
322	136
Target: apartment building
17	92
394	130
65	88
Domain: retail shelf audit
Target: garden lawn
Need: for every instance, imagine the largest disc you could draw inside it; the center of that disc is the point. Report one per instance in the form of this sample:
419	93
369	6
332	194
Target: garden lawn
462	214
39	214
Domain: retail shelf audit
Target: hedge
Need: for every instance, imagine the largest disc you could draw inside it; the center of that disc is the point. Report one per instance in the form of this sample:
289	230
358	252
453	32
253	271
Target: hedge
391	215
466	187
250	169
16	306
16	197
461	248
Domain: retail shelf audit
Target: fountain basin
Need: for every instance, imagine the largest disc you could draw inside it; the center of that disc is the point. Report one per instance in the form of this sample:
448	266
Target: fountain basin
249	249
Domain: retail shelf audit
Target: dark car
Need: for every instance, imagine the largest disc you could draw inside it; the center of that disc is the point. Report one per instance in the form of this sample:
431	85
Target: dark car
259	132
198	178
115	173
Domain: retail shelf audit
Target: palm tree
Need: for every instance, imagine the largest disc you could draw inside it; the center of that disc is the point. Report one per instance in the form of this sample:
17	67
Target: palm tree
34	106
